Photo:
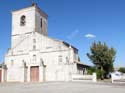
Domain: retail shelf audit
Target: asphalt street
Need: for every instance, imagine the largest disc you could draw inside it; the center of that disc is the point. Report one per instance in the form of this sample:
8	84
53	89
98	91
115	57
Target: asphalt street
62	87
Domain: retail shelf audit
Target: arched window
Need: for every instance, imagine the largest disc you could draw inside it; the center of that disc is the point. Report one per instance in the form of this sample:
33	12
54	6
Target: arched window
23	20
34	47
34	40
34	57
41	22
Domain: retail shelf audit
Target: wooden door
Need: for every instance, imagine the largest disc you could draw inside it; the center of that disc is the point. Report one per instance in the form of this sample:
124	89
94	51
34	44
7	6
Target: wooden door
0	75
34	73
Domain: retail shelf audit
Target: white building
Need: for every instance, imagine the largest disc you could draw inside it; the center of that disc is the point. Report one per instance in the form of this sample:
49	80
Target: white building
33	55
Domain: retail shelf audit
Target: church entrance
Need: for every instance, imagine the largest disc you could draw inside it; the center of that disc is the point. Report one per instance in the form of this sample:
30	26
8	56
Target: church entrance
34	73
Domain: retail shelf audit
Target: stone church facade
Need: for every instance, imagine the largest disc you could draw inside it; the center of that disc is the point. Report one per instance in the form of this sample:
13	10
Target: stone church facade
35	57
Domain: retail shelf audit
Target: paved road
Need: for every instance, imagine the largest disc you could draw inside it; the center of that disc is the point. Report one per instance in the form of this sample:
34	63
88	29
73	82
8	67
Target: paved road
61	87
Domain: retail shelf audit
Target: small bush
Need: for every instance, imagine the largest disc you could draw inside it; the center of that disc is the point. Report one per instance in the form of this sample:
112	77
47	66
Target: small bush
91	70
99	73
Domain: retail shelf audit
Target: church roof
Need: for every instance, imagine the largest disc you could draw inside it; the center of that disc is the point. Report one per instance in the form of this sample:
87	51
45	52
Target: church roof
65	43
80	63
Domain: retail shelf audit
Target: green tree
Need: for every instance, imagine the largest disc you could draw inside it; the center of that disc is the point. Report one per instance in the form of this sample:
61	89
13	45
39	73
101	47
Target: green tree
102	57
122	69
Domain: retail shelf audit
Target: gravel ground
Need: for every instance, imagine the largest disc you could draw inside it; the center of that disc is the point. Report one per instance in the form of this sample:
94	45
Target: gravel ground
62	87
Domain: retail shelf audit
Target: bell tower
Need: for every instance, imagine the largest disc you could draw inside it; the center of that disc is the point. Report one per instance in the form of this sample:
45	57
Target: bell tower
27	21
41	20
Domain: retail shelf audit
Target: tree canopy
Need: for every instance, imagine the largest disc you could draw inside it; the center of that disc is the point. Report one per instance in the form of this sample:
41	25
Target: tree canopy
102	57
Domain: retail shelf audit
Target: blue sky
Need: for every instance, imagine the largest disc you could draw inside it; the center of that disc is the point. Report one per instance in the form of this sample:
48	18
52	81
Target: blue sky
78	22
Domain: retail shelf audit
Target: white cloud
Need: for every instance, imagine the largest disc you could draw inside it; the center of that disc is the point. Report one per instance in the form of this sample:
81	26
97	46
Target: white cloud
73	34
90	36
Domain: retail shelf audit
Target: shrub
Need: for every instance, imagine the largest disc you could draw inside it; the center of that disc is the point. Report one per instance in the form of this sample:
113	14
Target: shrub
99	73
91	70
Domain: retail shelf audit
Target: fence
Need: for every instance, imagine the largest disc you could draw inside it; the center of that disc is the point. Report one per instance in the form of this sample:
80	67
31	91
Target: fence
88	78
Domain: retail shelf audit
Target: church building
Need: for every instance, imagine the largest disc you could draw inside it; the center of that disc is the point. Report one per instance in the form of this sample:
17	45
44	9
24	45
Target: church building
34	56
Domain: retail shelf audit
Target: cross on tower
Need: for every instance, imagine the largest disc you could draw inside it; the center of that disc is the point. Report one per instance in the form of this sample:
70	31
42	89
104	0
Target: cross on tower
33	3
